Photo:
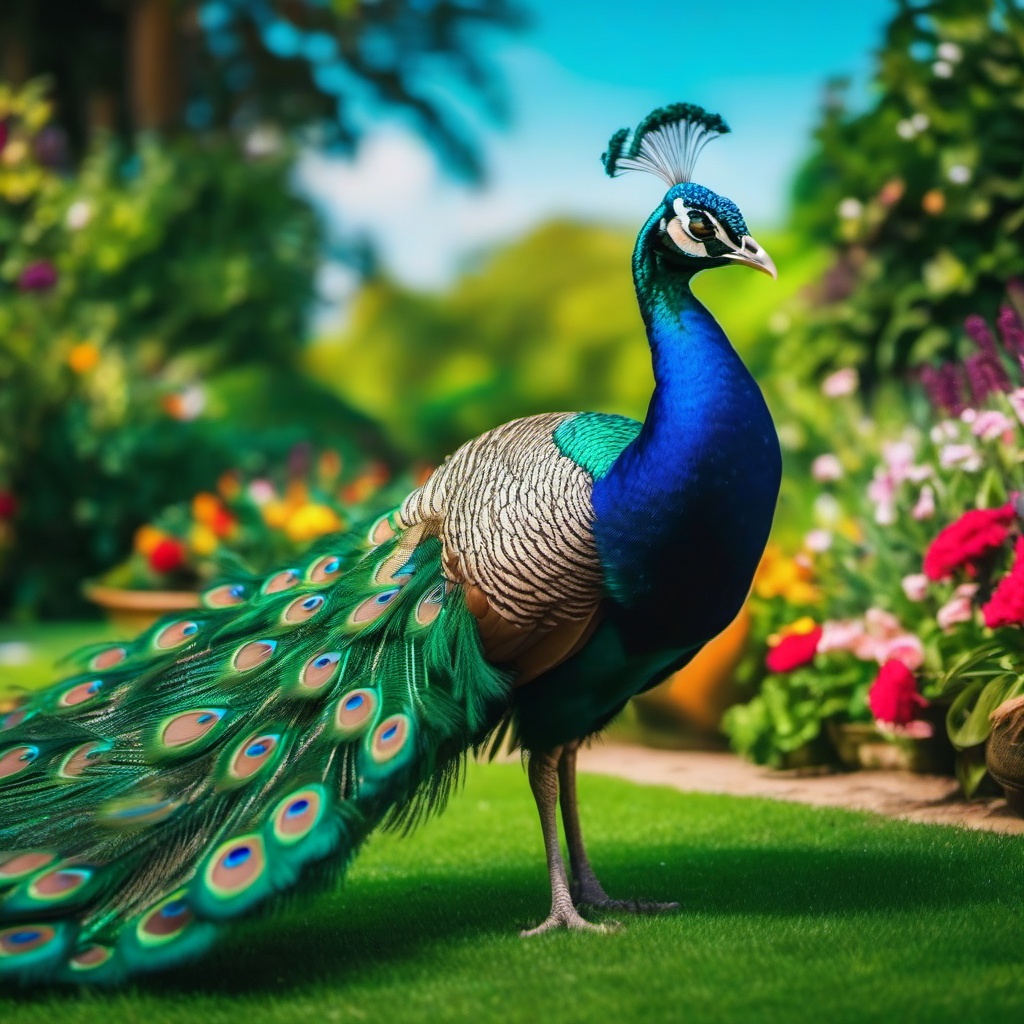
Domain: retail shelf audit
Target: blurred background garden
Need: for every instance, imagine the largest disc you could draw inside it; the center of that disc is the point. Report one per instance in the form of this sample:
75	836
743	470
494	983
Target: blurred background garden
263	263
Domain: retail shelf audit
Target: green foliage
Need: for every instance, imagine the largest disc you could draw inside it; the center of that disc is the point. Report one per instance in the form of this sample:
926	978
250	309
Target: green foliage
921	193
126	291
547	322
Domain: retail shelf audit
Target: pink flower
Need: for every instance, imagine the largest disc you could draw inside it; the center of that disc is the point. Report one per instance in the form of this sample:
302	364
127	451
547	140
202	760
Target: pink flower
925	507
882	491
947	430
826	468
882	623
960	456
40	276
992	424
262	491
840	635
906	648
842	382
915	586
1016	399
818	541
793	651
959	608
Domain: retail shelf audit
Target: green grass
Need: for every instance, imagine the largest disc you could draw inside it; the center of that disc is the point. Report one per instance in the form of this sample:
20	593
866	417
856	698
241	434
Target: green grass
790	913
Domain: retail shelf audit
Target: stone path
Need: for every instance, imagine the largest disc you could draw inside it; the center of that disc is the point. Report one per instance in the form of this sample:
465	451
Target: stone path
926	798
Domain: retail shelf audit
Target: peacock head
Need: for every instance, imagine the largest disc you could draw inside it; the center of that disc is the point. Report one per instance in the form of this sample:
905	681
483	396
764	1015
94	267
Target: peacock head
694	228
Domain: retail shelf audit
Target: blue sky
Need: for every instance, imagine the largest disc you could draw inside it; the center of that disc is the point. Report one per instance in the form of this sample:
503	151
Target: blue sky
582	70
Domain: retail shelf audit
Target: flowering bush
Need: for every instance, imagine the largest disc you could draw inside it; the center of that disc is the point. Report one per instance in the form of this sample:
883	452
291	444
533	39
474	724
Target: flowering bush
259	521
911	574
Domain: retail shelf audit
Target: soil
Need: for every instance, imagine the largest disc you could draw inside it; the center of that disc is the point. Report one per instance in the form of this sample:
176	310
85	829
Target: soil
934	799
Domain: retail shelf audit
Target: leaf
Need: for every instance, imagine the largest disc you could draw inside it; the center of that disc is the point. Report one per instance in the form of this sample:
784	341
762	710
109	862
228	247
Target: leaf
967	720
970	769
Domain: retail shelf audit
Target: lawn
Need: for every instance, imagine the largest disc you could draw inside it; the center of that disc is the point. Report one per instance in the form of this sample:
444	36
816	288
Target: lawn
789	913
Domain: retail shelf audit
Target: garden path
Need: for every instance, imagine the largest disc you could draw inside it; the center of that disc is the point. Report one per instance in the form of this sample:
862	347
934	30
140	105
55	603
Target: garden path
925	798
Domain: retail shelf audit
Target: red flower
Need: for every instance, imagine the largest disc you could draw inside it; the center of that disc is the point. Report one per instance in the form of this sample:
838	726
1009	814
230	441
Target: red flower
167	556
1006	606
893	697
8	505
222	522
793	651
40	276
962	543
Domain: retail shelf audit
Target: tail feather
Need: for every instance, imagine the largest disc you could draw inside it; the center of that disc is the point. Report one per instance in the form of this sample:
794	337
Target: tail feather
184	778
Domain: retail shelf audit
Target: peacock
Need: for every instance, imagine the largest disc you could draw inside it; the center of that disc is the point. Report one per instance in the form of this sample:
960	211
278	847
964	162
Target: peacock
547	571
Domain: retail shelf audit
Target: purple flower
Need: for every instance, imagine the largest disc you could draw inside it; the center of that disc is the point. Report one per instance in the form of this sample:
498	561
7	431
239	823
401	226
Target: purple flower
39	276
4	132
1011	330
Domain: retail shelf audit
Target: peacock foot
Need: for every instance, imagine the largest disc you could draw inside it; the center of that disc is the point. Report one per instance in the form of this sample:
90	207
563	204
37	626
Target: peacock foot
590	894
567	916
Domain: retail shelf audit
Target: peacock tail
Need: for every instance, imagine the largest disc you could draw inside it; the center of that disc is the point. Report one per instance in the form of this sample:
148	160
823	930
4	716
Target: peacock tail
190	776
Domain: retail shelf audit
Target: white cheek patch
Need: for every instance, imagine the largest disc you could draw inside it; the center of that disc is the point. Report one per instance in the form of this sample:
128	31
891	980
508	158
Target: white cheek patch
682	240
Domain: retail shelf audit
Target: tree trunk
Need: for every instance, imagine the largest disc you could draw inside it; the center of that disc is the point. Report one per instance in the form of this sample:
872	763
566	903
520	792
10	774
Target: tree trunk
154	65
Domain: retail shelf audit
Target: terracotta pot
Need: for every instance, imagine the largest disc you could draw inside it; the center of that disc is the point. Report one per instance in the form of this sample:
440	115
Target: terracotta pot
696	697
134	610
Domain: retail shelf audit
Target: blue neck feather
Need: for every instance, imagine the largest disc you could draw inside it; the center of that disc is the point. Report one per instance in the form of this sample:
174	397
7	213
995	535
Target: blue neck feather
685	511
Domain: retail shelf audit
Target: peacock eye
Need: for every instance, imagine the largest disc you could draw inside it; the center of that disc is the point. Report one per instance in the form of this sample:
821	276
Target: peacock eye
700	225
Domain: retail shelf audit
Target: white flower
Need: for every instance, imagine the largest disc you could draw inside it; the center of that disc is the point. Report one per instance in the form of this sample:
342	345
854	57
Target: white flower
261	491
262	141
850	208
905	129
960	456
949	52
827	509
991	424
920	122
818	541
959	174
826	468
925	507
915	586
942	69
947	430
79	214
842	382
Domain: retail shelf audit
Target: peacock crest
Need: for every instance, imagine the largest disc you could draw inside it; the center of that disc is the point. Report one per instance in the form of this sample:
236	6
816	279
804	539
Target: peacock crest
667	142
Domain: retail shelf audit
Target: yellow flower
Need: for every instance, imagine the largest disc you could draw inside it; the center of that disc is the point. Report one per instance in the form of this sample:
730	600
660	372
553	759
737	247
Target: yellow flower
275	514
83	357
780	576
202	540
147	538
311	521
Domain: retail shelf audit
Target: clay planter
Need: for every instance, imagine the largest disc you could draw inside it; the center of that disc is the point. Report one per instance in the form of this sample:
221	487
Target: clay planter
859	745
1004	751
690	703
134	610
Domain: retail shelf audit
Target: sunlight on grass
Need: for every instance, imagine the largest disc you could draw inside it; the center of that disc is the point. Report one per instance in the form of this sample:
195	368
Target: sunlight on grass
789	913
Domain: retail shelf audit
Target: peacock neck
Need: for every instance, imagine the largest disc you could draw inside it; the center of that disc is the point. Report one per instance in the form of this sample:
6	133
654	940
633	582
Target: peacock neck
692	497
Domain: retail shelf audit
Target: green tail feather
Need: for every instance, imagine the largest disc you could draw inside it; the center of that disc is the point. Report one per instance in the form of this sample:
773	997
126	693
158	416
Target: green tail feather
222	757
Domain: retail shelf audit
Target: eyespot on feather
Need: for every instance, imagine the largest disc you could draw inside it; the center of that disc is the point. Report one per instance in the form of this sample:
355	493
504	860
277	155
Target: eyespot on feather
191	727
137	811
252	755
355	711
429	607
61	883
90	957
15	718
23	939
20	865
80	693
373	607
176	634
235	866
297	815
82	758
280	581
107	658
225	596
166	921
389	738
325	570
15	760
303	608
250	655
319	670
381	531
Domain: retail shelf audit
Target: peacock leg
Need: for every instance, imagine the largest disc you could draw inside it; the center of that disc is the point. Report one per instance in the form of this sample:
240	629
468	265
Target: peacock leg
586	890
543	772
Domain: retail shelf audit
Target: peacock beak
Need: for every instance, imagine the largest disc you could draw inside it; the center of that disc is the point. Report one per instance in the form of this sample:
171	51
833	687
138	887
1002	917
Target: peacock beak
752	255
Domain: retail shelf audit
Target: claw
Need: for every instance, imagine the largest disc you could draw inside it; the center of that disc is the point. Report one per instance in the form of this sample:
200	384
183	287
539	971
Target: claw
571	920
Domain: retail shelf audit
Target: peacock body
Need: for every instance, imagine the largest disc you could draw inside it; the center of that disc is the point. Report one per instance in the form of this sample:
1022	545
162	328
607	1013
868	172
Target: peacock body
549	570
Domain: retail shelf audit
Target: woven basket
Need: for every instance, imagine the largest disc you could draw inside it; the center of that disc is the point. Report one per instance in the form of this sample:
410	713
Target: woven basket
1004	752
